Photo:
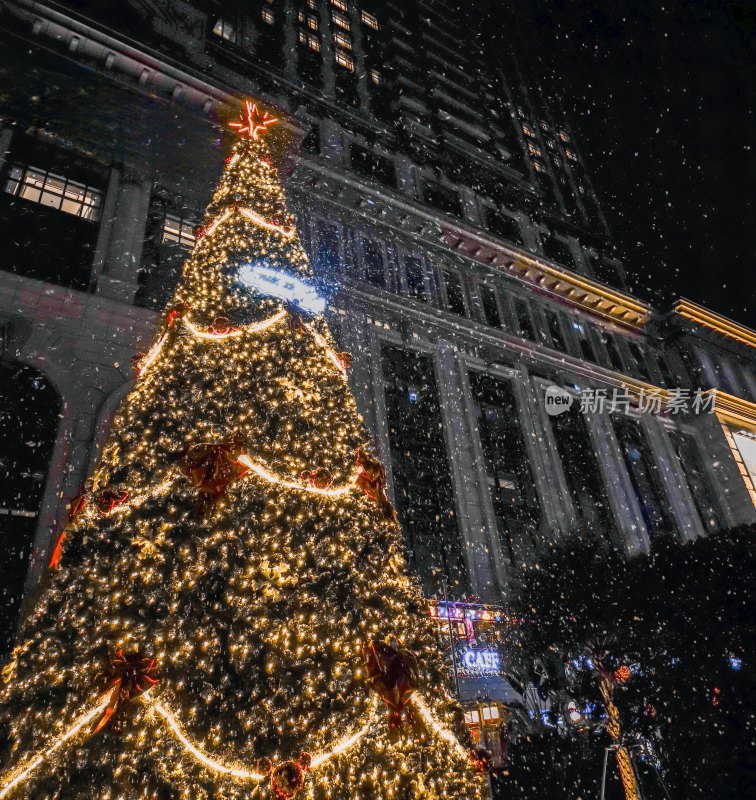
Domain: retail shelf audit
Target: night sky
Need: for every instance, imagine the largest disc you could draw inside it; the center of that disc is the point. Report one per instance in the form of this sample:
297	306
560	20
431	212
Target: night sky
662	98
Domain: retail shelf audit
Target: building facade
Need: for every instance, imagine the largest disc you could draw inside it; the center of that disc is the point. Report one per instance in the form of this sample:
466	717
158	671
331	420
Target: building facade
445	204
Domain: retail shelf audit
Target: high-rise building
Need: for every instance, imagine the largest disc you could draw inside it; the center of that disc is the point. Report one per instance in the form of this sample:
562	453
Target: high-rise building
443	200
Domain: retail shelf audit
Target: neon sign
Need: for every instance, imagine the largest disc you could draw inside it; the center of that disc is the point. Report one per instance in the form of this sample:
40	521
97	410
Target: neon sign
273	282
480	661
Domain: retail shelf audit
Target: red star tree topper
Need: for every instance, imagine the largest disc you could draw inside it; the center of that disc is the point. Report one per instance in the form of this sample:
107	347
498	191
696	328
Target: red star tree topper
252	122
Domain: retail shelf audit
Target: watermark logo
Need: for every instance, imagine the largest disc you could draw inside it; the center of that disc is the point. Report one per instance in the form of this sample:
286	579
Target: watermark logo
558	400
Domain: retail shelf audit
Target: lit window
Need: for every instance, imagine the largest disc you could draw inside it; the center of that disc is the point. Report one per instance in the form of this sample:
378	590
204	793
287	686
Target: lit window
551	144
340	4
490	713
340	20
520	111
342	40
527	130
472	717
571	154
538	166
557	161
225	30
312	23
311	4
311	41
534	149
375	76
370	20
267	16
54	191
564	136
544	125
344	59
180	231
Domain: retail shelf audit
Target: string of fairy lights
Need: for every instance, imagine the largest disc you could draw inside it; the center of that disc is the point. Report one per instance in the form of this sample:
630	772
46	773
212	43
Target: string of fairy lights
235	560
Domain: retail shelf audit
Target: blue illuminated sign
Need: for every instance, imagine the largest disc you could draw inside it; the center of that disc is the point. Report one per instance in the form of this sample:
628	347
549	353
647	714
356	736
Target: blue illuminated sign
278	283
480	661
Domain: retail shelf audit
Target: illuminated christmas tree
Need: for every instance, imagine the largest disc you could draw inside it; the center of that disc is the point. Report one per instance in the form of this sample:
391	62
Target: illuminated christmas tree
228	612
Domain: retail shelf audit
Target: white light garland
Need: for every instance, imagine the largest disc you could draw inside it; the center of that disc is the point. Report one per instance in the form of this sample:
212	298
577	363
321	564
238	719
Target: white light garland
439	729
21	774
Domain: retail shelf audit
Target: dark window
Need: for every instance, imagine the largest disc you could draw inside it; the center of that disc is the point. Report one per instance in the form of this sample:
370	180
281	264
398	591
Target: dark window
29	410
640	360
442	197
555	329
524	322
667	377
503	225
510	479
49	223
168	237
311	142
413	269
559	251
375	271
701	489
327	253
582	472
615	359
372	165
422	479
455	296
644	475
490	307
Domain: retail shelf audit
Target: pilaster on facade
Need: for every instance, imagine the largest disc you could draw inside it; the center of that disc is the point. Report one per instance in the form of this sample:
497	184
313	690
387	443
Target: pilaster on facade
485	579
681	503
119	252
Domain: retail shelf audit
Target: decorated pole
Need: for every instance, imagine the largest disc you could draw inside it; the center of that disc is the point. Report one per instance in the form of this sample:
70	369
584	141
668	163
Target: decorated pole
608	680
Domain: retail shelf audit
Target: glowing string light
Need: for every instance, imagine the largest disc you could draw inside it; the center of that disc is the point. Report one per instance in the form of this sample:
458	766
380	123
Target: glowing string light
439	729
254	327
152	355
23	774
237	771
329	352
287	233
263	472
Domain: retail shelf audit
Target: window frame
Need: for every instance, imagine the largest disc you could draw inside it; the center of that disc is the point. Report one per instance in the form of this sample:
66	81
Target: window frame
19	183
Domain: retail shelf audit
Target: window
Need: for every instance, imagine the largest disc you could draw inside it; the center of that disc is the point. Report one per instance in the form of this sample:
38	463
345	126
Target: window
558	250
370	164
413	269
528	131
55	191
342	40
268	16
472	717
327	253
615	359
344	59
340	4
375	76
225	30
504	225
455	296
310	40
340	20
701	490
490	306
490	713
372	256
534	149
309	20
640	361
444	198
539	166
524	323
312	4
423	485
370	20
544	125
178	230
571	154
551	144
555	329
564	136
311	142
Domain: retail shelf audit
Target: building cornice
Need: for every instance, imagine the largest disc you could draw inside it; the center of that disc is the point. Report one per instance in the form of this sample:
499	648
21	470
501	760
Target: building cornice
715	322
733	411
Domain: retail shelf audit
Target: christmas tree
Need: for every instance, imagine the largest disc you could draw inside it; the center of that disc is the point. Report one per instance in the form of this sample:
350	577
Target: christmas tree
228	612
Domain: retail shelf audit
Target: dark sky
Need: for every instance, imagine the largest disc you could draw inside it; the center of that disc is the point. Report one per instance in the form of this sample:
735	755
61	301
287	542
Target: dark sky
662	97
